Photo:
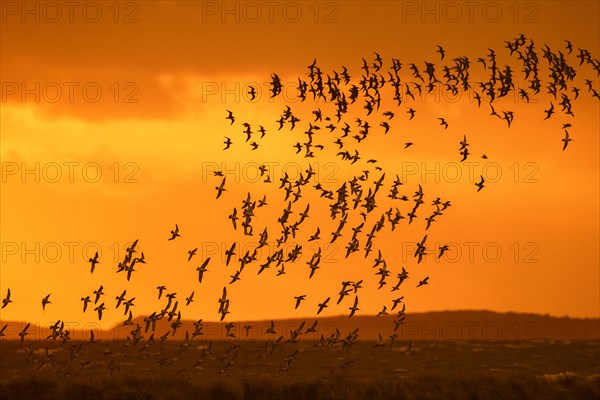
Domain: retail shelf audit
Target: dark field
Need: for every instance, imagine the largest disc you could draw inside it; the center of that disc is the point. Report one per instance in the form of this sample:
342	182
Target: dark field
257	370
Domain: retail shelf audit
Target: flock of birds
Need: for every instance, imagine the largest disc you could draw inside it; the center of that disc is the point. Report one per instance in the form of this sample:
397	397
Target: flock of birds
360	195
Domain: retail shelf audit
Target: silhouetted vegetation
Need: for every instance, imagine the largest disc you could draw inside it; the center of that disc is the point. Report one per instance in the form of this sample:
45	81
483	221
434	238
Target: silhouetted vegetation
549	370
427	386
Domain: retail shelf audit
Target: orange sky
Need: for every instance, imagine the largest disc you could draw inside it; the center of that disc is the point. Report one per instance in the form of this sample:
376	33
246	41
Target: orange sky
156	135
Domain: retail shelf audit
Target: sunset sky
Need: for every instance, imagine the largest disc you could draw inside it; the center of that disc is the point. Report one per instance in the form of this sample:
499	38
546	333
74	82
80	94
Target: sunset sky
82	171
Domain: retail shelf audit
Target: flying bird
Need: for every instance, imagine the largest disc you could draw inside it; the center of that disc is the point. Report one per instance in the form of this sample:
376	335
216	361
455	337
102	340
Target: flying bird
202	269
120	299
441	51
480	184
299	300
45	301
549	111
100	308
252	93
354	308
189	299
93	261
23	333
175	233
6	301
221	188
98	293
443	249
192	253
86	300
423	282
566	140
323	305
230	117
229	253
233	217
227	143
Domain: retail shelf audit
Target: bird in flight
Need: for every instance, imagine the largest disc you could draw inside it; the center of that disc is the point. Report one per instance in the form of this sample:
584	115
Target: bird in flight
175	233
252	93
323	305
441	51
202	269
221	188
86	300
93	262
189	299
566	140
401	278
396	301
192	253
230	117
45	301
23	333
354	308
233	217
420	252
100	308
443	249
229	253
227	143
223	304
569	46
299	300
480	184
549	111
423	282
380	342
6	301
120	299
271	329
98	293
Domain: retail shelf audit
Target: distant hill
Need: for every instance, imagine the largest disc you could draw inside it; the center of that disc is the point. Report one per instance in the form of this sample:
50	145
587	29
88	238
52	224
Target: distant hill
429	326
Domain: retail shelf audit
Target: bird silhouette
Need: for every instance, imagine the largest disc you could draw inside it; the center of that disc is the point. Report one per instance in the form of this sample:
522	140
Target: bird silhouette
93	261
566	140
230	117
175	233
354	307
480	184
6	301
45	302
